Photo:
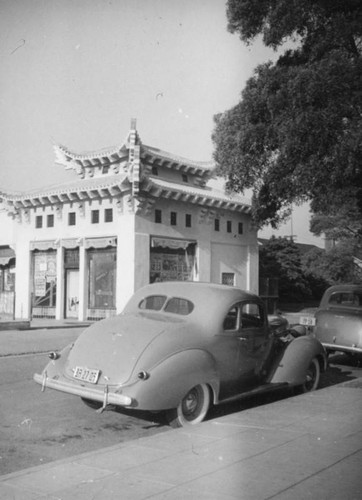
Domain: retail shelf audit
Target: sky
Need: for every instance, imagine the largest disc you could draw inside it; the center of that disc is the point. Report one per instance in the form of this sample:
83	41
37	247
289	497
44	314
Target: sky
74	72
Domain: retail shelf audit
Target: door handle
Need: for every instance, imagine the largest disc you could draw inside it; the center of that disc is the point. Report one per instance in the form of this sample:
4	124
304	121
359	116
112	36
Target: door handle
242	339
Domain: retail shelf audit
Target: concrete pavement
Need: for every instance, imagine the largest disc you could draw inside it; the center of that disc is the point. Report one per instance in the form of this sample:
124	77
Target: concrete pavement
303	447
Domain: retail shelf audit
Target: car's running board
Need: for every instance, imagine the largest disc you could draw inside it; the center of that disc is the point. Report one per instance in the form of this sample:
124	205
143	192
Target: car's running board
258	390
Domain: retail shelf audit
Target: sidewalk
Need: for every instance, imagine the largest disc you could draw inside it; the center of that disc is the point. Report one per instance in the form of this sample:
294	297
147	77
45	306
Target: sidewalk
304	447
7	324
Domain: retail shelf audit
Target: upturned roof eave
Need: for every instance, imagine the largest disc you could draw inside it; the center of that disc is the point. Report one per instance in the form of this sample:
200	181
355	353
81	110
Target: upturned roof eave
200	196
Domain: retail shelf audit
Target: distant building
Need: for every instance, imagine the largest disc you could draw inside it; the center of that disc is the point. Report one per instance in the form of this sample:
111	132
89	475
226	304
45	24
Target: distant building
132	215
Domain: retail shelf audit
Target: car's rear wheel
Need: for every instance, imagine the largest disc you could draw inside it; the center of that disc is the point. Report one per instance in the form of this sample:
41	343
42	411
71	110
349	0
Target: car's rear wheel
95	405
312	377
192	409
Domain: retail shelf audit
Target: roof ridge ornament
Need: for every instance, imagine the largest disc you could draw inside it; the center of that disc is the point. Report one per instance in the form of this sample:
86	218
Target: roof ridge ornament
134	158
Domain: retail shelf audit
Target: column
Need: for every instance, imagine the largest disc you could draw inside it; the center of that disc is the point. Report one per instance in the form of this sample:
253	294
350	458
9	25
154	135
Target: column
83	284
59	308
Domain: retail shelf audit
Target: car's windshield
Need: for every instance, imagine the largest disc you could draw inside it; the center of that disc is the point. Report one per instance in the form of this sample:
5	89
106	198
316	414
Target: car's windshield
351	299
175	305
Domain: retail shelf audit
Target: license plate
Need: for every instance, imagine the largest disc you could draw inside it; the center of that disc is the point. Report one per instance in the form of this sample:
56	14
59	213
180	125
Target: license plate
307	320
86	374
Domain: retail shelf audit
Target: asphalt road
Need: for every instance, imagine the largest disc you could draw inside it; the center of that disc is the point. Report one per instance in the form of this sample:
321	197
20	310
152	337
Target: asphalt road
39	427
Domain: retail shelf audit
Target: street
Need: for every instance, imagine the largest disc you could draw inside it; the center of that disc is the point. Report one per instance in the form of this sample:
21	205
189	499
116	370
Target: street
40	427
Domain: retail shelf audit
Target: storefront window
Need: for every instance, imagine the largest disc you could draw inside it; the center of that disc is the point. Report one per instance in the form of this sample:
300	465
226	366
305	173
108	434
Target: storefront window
172	260
45	278
102	278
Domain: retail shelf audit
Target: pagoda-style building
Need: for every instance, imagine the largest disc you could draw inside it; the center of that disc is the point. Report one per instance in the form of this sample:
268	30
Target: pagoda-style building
133	214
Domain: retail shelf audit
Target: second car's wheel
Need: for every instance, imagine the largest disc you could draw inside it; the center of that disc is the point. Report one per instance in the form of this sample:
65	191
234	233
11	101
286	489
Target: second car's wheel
312	376
192	409
95	405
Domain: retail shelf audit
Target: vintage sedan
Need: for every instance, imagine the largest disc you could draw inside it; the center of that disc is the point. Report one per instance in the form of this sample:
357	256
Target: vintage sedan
338	320
179	347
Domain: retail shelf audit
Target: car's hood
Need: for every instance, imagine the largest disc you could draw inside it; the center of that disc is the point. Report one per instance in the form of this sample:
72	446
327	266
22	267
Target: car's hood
113	346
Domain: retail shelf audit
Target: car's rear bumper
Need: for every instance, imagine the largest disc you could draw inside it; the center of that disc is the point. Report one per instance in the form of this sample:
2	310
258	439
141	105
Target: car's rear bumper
342	348
104	395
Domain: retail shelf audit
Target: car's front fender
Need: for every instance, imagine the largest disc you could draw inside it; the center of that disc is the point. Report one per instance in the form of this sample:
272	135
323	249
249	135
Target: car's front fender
169	381
293	364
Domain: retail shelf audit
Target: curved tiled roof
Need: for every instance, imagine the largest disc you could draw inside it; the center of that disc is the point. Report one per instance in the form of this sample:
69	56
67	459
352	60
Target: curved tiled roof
207	195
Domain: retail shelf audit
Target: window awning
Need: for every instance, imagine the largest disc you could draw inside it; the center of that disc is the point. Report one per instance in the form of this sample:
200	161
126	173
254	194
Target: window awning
101	242
170	243
6	254
44	245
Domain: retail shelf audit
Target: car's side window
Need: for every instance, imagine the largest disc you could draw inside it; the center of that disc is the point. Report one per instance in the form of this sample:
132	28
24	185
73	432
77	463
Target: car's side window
231	319
251	315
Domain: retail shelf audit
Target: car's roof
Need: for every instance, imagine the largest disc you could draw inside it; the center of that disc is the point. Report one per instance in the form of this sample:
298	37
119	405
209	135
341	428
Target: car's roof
195	288
208	298
345	287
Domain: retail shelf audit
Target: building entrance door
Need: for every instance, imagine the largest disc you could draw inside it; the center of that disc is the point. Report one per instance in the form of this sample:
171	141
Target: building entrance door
71	293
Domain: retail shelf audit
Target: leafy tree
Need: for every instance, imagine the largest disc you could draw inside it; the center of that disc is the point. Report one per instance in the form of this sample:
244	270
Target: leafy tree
280	258
296	134
331	267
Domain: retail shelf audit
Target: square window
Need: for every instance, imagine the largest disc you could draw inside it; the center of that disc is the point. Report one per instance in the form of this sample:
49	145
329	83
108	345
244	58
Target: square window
240	228
71	219
228	226
50	220
39	221
158	216
105	169
173	218
217	224
108	215
188	220
228	279
95	216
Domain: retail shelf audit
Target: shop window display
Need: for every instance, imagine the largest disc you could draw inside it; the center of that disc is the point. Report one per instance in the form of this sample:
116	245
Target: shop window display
44	279
176	262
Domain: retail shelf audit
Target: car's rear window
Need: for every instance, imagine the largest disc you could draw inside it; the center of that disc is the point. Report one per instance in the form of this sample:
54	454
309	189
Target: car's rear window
346	299
175	305
153	302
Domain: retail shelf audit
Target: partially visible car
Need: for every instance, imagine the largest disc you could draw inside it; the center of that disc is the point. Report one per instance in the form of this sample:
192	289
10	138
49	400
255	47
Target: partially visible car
181	346
338	320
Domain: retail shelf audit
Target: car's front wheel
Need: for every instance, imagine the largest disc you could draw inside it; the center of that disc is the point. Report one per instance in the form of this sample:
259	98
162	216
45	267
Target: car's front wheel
192	409
312	377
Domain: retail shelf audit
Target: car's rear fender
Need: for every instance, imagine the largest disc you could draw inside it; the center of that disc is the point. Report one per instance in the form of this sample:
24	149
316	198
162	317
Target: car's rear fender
164	386
56	367
294	362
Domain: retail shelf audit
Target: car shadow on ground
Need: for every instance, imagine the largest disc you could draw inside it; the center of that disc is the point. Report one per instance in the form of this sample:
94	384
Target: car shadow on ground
338	372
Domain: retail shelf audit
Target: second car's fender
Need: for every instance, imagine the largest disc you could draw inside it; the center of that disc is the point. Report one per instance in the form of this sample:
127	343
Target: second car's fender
168	382
294	362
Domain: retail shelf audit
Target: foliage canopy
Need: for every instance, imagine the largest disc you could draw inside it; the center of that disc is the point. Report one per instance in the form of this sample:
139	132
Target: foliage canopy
296	134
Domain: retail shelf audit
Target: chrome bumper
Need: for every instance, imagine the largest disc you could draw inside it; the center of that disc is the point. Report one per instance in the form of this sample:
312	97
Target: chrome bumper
342	348
96	394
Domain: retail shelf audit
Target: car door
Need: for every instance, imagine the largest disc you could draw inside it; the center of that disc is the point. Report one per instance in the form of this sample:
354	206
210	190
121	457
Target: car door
241	347
255	343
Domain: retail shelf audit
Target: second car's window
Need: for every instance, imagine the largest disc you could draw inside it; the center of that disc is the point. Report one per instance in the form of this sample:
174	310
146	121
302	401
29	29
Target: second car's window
153	302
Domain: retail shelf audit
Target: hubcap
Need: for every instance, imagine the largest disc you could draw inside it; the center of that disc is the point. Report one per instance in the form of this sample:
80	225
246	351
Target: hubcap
191	403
